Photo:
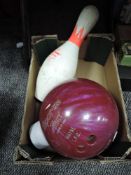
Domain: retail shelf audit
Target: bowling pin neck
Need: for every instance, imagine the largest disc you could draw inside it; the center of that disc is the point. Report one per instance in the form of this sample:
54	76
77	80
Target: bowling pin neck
77	37
86	21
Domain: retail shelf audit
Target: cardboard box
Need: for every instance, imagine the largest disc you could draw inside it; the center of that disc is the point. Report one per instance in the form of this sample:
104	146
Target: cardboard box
106	75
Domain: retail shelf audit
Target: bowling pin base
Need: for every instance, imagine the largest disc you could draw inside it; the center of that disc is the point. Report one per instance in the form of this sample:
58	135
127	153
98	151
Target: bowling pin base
37	137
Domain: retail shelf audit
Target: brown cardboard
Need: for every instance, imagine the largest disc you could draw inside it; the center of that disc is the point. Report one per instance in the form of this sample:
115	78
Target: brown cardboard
29	108
105	75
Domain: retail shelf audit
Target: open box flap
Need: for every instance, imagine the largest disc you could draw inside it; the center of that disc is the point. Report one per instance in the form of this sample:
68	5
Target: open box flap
25	154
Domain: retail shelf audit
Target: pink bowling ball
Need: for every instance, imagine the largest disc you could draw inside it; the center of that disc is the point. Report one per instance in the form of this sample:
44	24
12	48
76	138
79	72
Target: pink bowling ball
79	118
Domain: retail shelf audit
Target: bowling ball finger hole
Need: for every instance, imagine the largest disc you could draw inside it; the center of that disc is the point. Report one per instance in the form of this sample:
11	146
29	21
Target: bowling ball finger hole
91	139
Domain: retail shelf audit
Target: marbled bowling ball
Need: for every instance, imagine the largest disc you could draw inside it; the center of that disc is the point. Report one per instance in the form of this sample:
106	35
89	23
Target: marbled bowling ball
79	119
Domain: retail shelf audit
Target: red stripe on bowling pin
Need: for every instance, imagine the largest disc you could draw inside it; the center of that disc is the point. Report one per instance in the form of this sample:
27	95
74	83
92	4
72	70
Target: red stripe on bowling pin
55	53
77	36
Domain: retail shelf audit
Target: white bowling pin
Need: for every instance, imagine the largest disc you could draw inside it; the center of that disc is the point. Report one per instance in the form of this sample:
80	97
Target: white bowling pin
61	64
37	136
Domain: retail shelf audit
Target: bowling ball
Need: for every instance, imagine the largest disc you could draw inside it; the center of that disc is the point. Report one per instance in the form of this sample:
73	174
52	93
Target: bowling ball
79	119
